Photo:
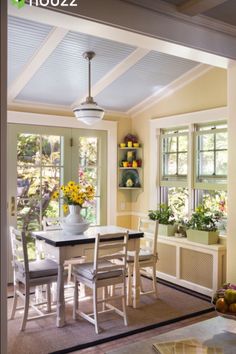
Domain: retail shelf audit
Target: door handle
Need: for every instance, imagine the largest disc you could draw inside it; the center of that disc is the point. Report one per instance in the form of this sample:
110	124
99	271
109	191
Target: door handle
13	206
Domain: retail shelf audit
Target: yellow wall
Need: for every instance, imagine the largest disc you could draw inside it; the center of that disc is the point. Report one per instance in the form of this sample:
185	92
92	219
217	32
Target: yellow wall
206	92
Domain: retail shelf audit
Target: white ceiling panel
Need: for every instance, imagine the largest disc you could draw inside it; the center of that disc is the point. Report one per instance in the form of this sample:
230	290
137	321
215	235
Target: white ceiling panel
63	77
24	39
145	78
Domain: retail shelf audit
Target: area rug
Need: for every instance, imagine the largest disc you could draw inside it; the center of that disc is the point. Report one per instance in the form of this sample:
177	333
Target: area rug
42	336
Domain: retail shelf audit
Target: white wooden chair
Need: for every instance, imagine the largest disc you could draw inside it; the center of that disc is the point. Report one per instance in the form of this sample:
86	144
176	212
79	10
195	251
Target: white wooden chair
54	224
101	273
147	257
30	274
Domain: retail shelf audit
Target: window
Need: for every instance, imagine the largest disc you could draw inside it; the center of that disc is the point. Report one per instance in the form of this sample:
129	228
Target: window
174	160
211	156
178	198
185	185
216	201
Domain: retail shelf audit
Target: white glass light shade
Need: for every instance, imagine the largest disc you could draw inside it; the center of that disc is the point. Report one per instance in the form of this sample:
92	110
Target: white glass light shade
88	113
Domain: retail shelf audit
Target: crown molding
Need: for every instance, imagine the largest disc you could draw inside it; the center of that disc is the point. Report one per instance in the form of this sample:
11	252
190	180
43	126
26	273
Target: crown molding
36	107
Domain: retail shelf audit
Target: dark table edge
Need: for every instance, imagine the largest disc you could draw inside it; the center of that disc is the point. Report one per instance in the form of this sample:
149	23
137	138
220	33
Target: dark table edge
82	241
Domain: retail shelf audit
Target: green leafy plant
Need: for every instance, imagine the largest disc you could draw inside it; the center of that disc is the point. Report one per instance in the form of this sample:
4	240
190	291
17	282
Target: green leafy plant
203	219
164	214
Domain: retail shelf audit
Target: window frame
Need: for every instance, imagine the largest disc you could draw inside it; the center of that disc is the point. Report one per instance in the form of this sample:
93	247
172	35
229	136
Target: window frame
190	120
172	180
214	181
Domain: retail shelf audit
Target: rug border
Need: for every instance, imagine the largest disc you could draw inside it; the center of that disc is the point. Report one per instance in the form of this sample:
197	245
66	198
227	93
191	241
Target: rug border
149	327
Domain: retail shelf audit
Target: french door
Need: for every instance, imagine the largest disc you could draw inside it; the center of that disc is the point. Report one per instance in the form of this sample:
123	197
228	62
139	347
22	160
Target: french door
40	159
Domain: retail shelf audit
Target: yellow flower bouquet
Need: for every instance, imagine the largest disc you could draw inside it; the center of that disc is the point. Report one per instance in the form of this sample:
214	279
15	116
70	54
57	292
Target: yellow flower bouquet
75	194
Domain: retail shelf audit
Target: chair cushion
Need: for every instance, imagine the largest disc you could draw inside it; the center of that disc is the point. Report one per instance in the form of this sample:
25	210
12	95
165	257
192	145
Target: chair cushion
86	270
43	268
39	269
144	255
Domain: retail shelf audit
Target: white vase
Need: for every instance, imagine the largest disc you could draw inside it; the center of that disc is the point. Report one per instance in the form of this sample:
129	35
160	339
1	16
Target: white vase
74	216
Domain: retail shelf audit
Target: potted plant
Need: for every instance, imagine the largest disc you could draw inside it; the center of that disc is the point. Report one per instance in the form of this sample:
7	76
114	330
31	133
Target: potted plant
202	226
165	216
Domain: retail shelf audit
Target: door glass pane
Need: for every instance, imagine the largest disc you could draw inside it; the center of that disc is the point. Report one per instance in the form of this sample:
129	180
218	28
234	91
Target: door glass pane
35	181
28	148
28	214
51	150
89	172
92	211
51	177
88	149
206	163
89	175
27	180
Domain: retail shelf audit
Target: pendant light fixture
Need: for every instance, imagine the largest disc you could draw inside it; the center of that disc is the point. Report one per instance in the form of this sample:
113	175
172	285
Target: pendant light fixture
89	112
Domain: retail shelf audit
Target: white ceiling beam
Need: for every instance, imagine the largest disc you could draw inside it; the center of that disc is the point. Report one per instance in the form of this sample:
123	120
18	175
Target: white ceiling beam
55	36
153	25
196	7
168	90
115	73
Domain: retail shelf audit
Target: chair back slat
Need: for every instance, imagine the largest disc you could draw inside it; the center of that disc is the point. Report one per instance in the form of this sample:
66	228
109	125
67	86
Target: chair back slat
112	245
150	229
18	252
19	248
116	247
111	257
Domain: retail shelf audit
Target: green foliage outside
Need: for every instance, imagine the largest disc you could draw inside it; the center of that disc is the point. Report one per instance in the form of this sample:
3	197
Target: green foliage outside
178	199
39	169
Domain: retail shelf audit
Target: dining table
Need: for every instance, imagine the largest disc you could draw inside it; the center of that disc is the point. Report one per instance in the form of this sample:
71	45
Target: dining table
61	246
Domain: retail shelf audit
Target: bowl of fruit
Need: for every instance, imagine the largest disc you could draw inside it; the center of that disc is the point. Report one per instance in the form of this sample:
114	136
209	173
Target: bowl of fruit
225	301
